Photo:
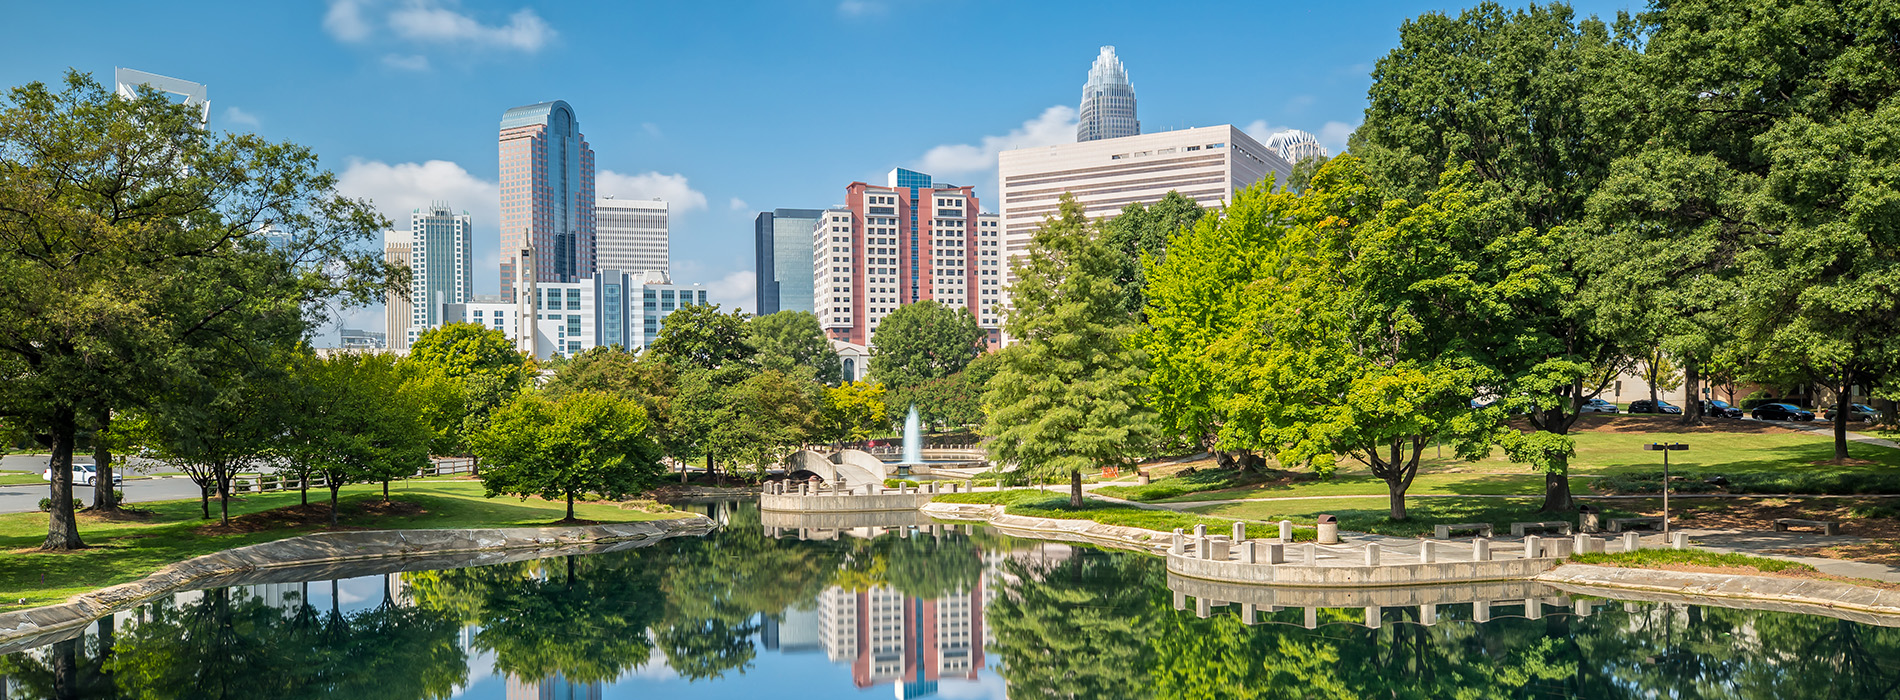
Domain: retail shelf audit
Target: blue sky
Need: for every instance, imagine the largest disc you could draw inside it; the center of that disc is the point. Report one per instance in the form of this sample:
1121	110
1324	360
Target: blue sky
723	108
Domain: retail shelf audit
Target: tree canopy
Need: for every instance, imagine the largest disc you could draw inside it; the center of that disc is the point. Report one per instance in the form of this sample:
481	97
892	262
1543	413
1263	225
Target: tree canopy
580	443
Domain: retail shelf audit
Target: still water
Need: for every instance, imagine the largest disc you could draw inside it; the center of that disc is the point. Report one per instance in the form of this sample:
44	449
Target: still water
914	612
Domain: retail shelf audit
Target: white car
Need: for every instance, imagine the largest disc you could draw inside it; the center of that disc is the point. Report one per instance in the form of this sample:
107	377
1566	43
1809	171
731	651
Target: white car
84	474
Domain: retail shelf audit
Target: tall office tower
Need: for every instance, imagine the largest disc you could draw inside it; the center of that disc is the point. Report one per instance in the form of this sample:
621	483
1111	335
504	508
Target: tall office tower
1108	101
396	311
126	83
905	242
441	259
781	241
631	234
1206	164
547	195
1294	145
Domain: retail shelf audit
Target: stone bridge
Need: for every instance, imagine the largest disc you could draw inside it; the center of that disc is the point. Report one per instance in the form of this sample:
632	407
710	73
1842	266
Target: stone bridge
855	467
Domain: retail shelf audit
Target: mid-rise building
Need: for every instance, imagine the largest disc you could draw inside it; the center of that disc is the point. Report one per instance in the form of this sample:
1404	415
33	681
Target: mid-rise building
613	307
361	340
1108	101
782	240
631	234
396	309
908	241
441	259
547	196
1294	145
1206	164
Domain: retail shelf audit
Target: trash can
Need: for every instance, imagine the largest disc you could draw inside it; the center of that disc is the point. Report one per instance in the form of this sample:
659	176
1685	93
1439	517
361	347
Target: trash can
1328	529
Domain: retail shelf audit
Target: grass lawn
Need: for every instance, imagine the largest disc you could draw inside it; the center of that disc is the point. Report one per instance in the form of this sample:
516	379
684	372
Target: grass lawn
18	478
1051	504
1665	558
126	550
1370	515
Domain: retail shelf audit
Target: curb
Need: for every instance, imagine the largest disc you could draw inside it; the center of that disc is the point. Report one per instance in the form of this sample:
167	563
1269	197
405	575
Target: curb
325	548
1864	604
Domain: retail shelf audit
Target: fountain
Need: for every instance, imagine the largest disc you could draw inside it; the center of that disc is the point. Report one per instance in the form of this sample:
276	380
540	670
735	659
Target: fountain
913	444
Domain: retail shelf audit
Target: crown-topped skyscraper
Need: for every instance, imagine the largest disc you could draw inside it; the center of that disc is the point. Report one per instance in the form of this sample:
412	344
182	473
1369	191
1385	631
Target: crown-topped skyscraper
1108	101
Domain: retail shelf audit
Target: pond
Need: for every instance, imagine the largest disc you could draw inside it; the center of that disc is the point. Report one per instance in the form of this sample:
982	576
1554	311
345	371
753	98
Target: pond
916	611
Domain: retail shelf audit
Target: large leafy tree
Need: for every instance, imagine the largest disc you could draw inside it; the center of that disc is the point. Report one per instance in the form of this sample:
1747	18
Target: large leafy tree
852	411
923	341
459	373
1067	396
131	256
762	419
699	337
212	424
580	443
1141	231
792	341
350	419
1531	99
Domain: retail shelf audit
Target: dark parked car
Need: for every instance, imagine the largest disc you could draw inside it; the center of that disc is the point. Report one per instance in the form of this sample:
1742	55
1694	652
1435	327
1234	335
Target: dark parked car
1720	409
1782	411
1597	406
1644	406
1857	412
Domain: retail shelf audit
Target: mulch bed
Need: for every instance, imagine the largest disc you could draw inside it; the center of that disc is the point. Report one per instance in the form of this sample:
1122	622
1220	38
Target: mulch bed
315	515
1649	423
1760	514
122	515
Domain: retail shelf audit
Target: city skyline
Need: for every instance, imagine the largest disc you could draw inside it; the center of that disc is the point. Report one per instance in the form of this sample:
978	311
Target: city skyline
426	81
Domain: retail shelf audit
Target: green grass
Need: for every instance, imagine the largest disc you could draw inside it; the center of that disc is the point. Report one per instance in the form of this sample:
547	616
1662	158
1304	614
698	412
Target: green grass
122	551
1181	490
1372	515
1049	504
19	478
1650	558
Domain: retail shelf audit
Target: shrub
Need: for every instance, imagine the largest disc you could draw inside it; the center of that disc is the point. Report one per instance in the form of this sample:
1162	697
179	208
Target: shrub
46	505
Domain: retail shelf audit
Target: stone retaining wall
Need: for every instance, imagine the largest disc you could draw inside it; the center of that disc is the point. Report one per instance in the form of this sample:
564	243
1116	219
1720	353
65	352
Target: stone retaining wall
1385	575
327	548
842	503
1863	604
1082	531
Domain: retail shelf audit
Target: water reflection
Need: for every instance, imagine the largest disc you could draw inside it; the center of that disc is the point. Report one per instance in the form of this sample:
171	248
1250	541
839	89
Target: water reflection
812	610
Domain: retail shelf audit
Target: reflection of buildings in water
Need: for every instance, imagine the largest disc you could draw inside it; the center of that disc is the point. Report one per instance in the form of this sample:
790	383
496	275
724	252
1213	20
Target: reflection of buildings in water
553	688
800	632
889	637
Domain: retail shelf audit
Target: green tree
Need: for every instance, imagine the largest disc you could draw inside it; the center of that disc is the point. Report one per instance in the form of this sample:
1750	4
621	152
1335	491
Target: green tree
581	443
922	341
1141	231
459	374
130	256
790	340
463	349
852	412
1533	101
211	425
956	400
764	418
582	617
700	337
1067	396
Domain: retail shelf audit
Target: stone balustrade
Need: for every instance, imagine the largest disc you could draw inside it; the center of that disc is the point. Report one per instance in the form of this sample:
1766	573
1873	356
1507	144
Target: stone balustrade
1381	562
815	496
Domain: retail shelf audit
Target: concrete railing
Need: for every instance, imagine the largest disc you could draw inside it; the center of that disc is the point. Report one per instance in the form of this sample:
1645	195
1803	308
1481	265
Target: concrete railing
814	496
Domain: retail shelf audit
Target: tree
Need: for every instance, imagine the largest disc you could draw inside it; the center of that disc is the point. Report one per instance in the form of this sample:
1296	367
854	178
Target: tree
1661	373
1067	396
210	425
130	256
645	378
700	337
1141	232
584	442
956	400
852	412
1533	101
922	341
459	373
463	349
791	340
762	419
350	419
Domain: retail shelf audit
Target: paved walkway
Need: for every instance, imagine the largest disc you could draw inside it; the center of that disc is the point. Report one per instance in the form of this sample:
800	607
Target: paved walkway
1765	543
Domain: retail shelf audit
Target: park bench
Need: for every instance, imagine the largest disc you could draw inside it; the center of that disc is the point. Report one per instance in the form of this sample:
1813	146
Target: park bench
1621	524
1561	526
1443	532
1828	527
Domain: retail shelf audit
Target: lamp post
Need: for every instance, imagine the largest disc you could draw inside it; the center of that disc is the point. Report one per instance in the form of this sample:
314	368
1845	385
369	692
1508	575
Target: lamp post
1666	448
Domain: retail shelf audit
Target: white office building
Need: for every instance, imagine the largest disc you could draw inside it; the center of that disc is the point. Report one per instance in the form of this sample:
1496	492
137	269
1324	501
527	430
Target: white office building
627	309
631	234
441	256
1206	164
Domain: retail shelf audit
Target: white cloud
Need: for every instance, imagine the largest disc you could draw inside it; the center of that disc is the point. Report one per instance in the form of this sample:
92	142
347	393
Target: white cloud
1259	129
1055	125
1334	134
436	21
415	62
738	204
397	189
737	290
648	185
345	21
860	8
238	116
423	20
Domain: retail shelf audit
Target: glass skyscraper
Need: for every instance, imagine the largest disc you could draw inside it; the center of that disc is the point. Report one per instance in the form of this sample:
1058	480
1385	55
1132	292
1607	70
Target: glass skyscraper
1108	101
783	248
547	194
441	259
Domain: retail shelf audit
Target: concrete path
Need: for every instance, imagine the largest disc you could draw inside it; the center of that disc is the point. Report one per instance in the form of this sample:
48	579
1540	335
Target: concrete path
25	498
1764	543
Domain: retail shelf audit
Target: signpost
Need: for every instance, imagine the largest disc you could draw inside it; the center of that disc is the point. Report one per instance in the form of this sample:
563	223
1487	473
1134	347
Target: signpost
1666	448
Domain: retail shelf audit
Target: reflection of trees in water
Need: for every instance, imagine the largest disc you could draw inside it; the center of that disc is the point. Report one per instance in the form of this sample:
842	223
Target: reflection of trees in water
1079	627
919	566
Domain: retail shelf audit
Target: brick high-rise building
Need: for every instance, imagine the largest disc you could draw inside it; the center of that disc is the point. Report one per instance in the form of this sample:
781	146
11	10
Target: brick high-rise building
547	194
908	241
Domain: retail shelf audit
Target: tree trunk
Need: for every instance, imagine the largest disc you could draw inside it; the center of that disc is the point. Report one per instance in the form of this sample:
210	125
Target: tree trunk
1395	497
570	505
204	497
224	499
65	663
62	525
1691	383
1842	402
385	490
303	489
333	489
1075	489
1557	489
104	497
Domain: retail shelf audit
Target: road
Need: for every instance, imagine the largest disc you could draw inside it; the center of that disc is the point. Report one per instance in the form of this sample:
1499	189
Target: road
21	498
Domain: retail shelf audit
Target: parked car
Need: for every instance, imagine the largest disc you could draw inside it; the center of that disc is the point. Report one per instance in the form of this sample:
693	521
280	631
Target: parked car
1597	406
1856	412
1720	409
84	474
1781	411
1644	406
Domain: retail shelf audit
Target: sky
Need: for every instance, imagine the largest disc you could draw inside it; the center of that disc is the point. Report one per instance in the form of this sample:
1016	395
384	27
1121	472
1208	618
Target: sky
724	109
